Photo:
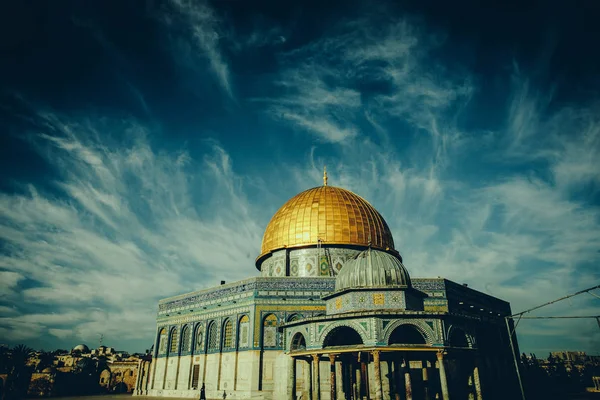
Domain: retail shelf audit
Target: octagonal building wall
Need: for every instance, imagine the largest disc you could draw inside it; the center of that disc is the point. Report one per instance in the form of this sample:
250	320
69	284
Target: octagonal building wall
373	300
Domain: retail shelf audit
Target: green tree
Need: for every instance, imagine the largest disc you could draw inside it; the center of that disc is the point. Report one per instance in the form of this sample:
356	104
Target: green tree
40	387
46	360
19	373
4	360
87	373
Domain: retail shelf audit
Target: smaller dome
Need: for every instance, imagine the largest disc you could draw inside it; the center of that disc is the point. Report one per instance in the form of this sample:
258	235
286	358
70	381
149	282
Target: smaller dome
81	348
372	269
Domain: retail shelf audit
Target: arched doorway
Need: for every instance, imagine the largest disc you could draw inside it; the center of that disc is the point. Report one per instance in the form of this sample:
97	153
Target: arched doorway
401	376
460	368
298	342
406	334
342	336
458	338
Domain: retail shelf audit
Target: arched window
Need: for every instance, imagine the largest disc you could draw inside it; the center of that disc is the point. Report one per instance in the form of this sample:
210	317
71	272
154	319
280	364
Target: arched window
173	341
228	335
294	317
212	340
406	334
298	342
244	332
270	331
199	340
162	341
342	336
185	339
458	338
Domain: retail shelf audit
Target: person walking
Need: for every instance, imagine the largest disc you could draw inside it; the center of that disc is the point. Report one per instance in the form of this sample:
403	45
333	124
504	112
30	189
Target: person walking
224	395
203	392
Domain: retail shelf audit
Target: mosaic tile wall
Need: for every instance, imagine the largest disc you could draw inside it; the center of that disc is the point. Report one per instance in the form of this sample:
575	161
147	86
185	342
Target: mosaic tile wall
308	287
285	297
236	312
373	330
436	293
308	262
448	296
367	300
237	319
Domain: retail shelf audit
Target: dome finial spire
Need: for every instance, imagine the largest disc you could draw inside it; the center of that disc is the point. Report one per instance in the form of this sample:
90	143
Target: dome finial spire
325	176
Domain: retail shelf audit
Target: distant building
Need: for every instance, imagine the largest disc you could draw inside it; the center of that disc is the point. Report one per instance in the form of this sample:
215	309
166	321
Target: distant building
121	376
81	348
41	383
596	382
66	362
334	315
103	351
572	356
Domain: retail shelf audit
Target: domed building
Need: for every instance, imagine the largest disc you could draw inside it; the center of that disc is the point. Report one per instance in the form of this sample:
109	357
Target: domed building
334	314
81	348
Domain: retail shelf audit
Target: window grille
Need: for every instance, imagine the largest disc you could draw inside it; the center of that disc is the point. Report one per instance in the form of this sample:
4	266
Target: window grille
173	346
228	335
185	339
213	343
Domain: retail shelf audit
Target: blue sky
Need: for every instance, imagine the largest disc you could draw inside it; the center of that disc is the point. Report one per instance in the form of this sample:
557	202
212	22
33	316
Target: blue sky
144	147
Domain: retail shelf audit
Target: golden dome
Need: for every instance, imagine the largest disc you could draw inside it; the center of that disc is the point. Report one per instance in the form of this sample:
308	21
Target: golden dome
330	214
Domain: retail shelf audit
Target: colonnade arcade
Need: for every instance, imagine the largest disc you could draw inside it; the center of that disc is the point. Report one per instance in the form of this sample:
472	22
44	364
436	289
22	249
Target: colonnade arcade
394	372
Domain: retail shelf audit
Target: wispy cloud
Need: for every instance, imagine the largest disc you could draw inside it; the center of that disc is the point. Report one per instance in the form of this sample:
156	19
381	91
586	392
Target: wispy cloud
512	210
124	226
201	27
313	106
527	232
361	72
260	37
9	280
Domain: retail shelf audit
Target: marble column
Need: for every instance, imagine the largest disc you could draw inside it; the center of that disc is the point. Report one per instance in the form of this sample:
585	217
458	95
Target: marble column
477	381
316	378
351	380
307	368
291	386
393	381
357	390
332	383
377	378
443	380
407	381
364	359
425	380
399	378
339	368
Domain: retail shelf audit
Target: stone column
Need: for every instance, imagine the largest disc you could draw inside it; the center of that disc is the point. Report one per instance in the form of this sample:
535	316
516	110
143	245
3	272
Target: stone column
340	379
377	378
407	382
307	378
392	379
316	378
477	381
396	375
363	374
357	389
291	386
351	380
425	379
332	382
443	380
